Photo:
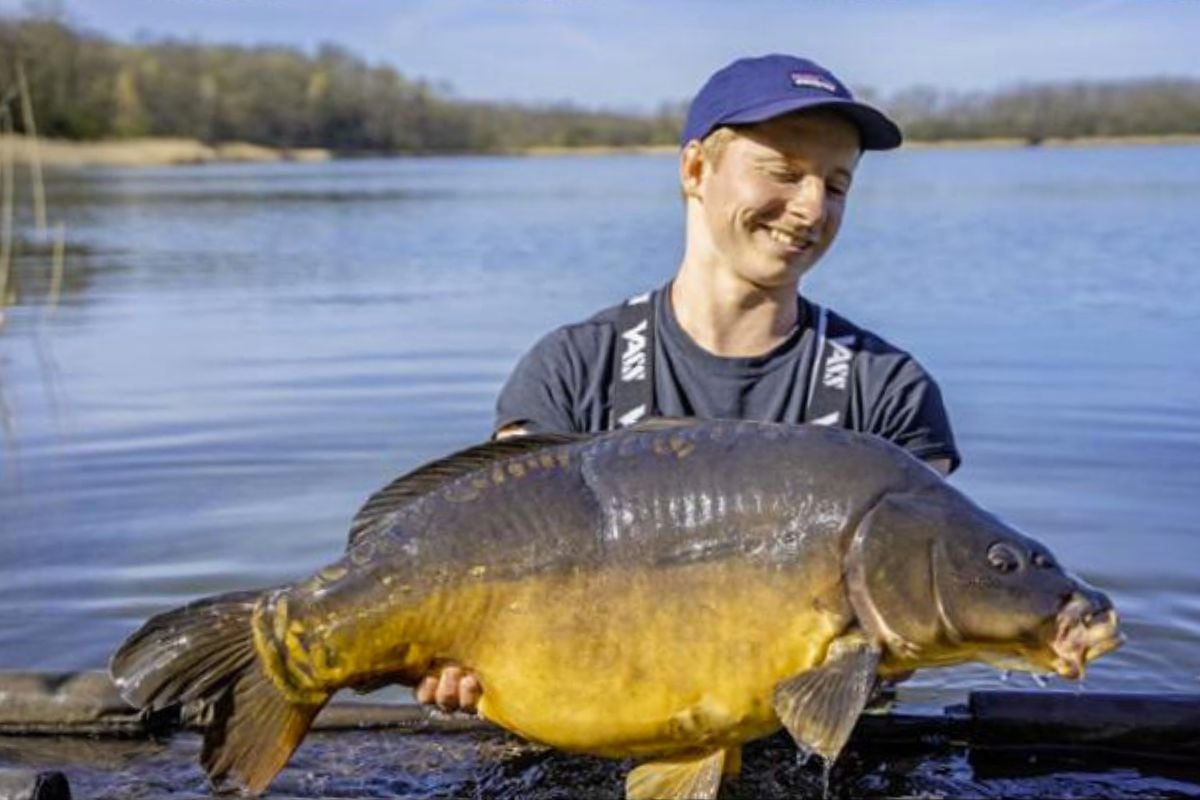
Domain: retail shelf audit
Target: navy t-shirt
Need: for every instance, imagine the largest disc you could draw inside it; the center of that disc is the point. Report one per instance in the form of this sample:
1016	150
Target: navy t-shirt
562	384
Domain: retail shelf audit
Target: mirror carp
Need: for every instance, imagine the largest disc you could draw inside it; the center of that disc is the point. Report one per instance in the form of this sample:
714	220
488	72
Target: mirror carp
664	593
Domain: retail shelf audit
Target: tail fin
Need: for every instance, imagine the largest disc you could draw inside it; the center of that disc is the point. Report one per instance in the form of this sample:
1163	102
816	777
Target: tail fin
205	651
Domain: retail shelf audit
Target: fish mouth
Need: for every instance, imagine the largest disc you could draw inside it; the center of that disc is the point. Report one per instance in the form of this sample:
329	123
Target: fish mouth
1085	630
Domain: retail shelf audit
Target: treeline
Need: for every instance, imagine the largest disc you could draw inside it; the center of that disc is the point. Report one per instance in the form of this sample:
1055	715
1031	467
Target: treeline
1140	107
85	86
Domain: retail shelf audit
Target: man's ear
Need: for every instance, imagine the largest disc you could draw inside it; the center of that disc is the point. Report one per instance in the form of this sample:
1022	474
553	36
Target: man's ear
691	169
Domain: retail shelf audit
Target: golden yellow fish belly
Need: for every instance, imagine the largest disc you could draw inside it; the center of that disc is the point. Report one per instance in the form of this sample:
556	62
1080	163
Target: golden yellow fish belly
635	662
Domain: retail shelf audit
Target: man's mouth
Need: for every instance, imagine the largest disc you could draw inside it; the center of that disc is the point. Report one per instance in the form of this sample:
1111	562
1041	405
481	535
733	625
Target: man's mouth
792	240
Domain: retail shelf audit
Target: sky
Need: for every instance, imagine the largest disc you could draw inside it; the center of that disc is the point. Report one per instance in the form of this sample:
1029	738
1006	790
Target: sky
636	54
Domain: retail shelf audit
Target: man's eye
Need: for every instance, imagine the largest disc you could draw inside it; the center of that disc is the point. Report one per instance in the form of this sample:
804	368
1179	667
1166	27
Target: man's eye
779	172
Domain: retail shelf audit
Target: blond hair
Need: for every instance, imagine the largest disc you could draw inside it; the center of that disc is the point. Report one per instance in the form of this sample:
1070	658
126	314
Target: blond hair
713	146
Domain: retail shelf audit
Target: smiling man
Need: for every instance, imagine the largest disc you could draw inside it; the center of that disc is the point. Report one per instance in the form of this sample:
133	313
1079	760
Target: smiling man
769	151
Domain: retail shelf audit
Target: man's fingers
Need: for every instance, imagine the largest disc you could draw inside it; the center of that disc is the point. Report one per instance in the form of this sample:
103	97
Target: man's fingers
447	688
426	691
453	689
469	692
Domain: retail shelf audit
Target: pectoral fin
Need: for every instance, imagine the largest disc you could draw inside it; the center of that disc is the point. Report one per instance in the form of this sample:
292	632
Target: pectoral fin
691	775
820	706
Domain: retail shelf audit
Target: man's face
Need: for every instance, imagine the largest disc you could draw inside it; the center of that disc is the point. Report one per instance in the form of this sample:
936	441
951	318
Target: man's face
773	202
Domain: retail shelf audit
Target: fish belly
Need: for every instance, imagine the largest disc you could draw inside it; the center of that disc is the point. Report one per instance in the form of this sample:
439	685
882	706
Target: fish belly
632	662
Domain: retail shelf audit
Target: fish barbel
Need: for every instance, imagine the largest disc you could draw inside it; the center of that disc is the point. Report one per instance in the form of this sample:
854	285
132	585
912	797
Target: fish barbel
666	593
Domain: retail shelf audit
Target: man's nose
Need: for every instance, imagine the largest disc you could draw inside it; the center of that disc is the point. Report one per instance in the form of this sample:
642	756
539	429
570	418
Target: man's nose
807	202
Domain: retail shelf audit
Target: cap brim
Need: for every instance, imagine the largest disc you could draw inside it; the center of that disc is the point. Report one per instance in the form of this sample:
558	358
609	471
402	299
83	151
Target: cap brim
876	131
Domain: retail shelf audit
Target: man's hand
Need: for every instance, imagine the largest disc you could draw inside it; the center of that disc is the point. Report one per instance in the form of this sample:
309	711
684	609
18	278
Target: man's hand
509	431
454	689
942	465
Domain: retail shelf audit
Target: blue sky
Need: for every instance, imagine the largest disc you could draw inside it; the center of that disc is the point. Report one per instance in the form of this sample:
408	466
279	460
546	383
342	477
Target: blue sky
634	54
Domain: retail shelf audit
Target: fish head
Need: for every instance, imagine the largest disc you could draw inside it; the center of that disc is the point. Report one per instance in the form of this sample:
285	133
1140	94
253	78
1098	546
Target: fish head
938	581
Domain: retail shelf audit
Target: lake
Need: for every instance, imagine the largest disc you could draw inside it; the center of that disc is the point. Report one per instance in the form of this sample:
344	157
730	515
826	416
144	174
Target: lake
243	353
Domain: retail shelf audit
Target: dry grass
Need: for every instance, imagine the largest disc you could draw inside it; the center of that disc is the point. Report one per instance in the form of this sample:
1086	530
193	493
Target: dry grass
35	162
7	188
56	268
599	150
149	152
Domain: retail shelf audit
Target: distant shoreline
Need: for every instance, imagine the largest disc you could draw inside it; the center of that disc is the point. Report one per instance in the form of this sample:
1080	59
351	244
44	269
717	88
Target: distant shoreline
150	152
927	144
1057	141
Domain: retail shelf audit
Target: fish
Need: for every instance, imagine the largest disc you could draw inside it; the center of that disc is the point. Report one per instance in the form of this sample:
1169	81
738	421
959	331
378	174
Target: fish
663	593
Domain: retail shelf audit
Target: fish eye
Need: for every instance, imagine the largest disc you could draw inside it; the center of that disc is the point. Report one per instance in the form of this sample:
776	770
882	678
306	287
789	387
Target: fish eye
1003	558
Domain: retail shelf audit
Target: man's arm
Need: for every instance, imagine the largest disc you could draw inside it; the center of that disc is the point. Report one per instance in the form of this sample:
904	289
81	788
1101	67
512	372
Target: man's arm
455	689
533	391
539	395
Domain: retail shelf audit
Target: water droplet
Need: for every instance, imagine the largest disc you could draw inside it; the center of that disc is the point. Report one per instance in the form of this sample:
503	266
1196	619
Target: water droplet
1005	674
1040	680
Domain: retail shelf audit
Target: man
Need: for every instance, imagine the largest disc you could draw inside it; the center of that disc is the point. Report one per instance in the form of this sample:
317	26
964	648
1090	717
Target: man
769	151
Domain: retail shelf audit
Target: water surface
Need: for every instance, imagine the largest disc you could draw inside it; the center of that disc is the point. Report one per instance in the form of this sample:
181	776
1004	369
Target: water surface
243	353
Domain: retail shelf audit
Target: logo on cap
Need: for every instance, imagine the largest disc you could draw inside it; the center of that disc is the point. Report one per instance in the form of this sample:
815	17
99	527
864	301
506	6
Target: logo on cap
812	80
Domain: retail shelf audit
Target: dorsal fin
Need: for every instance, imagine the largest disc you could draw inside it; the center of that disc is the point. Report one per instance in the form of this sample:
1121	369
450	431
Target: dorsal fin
427	478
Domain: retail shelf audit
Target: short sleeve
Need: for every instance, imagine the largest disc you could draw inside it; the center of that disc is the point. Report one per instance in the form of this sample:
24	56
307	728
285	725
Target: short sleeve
905	407
538	395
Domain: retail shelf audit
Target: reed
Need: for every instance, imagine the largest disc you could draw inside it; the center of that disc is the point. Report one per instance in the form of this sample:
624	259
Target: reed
35	160
6	206
20	93
38	187
56	269
7	424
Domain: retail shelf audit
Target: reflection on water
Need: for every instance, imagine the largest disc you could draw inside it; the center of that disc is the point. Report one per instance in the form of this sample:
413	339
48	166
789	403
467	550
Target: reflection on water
245	352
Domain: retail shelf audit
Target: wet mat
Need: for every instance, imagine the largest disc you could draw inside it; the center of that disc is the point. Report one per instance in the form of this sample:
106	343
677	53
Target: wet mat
486	764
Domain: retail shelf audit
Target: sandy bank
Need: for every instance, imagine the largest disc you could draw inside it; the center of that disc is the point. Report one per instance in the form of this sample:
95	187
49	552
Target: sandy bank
599	150
151	152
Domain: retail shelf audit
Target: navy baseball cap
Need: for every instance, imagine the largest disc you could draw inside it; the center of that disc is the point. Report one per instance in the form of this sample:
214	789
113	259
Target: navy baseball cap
757	89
